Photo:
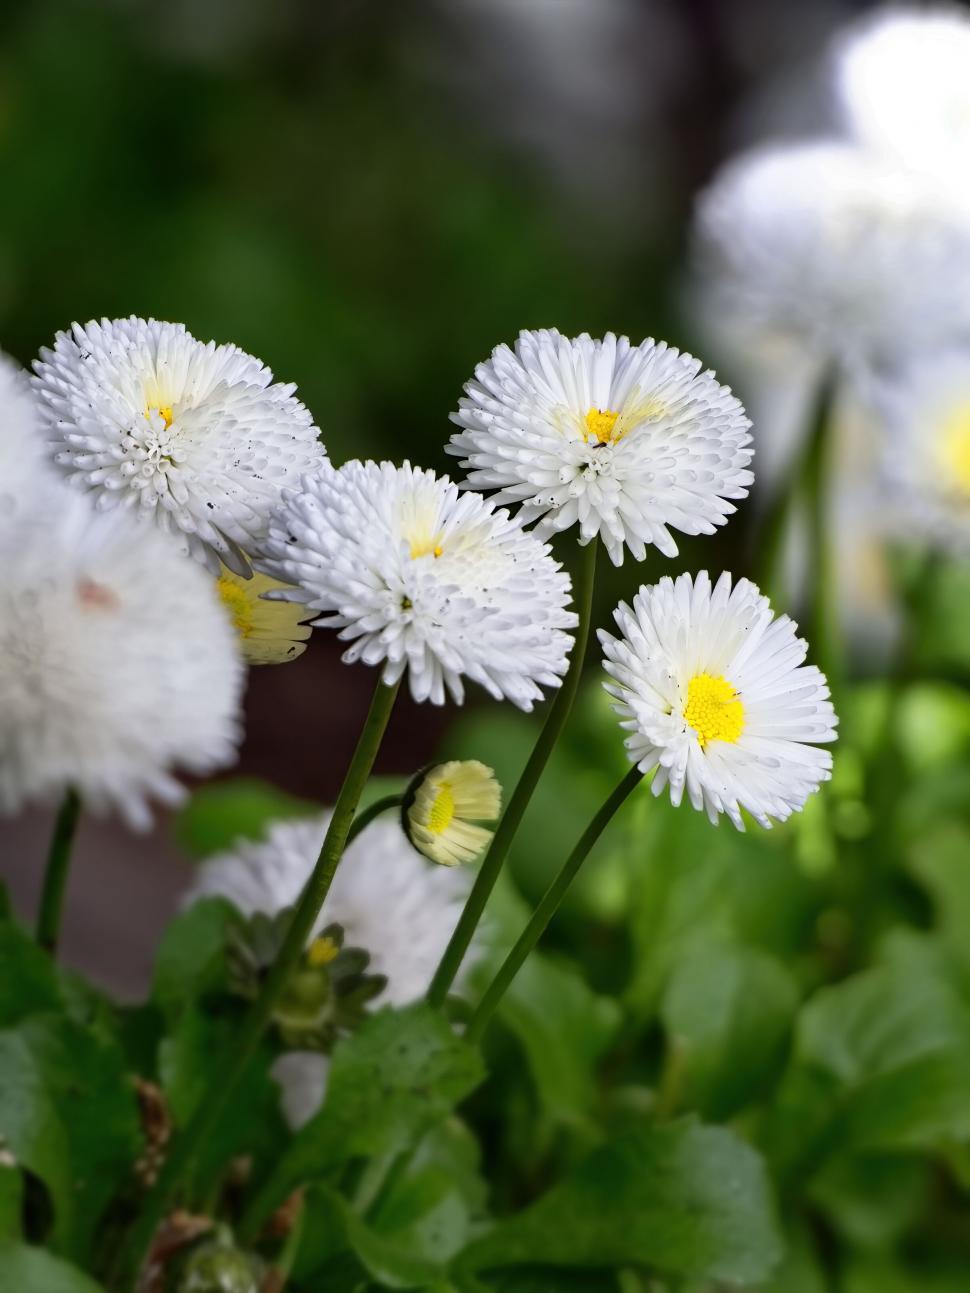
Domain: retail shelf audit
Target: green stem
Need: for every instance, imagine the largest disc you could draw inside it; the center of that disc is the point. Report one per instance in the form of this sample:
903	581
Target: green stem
519	800
55	872
777	519
549	905
216	1095
367	815
823	595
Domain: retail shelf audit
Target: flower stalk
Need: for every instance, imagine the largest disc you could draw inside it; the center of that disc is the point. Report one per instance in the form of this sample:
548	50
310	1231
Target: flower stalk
519	800
56	872
228	1074
549	905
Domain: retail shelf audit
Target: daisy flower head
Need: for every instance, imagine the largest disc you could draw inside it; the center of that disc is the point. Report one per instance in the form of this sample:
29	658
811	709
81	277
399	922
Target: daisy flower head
387	899
424	580
626	442
925	407
269	632
716	696
829	246
442	812
195	437
902	84
117	663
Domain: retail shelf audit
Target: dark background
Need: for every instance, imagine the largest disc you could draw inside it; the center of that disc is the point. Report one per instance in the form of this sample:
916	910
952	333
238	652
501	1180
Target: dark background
369	196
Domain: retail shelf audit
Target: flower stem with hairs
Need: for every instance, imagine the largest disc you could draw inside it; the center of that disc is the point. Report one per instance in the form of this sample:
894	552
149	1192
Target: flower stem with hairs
549	905
519	800
56	872
216	1095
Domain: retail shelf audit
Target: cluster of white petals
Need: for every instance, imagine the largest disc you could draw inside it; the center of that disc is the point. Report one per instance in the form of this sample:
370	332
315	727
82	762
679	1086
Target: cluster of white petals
195	437
924	406
625	442
388	900
424	580
715	695
902	83
836	247
23	464
118	665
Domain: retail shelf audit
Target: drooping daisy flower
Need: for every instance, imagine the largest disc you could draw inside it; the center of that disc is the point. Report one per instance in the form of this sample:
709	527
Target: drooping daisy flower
716	696
23	464
825	244
269	632
624	441
901	77
448	801
387	899
424	580
117	662
196	437
925	406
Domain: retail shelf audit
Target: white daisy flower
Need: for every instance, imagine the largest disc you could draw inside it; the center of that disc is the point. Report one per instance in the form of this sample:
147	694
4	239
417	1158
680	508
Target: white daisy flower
716	696
117	663
624	441
386	897
823	243
902	81
23	465
424	580
448	802
925	407
270	632
196	437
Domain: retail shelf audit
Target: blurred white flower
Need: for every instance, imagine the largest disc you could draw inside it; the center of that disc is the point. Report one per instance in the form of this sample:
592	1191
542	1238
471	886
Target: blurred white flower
853	258
196	437
117	662
902	78
23	463
448	803
424	580
716	696
270	632
386	897
622	441
925	406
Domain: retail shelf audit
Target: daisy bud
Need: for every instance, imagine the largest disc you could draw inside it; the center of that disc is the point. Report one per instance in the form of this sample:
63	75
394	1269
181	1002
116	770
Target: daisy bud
443	806
270	632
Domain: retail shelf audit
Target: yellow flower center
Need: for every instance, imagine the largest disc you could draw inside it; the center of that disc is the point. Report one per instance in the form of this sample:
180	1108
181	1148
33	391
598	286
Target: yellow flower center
442	810
713	709
421	547
321	952
239	605
164	411
599	425
954	450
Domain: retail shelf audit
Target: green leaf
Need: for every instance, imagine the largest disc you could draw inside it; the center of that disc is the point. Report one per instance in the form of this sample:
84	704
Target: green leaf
191	959
680	1197
399	1075
217	816
11	1201
880	1274
872	1199
728	1010
881	1062
68	1113
564	1029
251	1121
32	1270
28	981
